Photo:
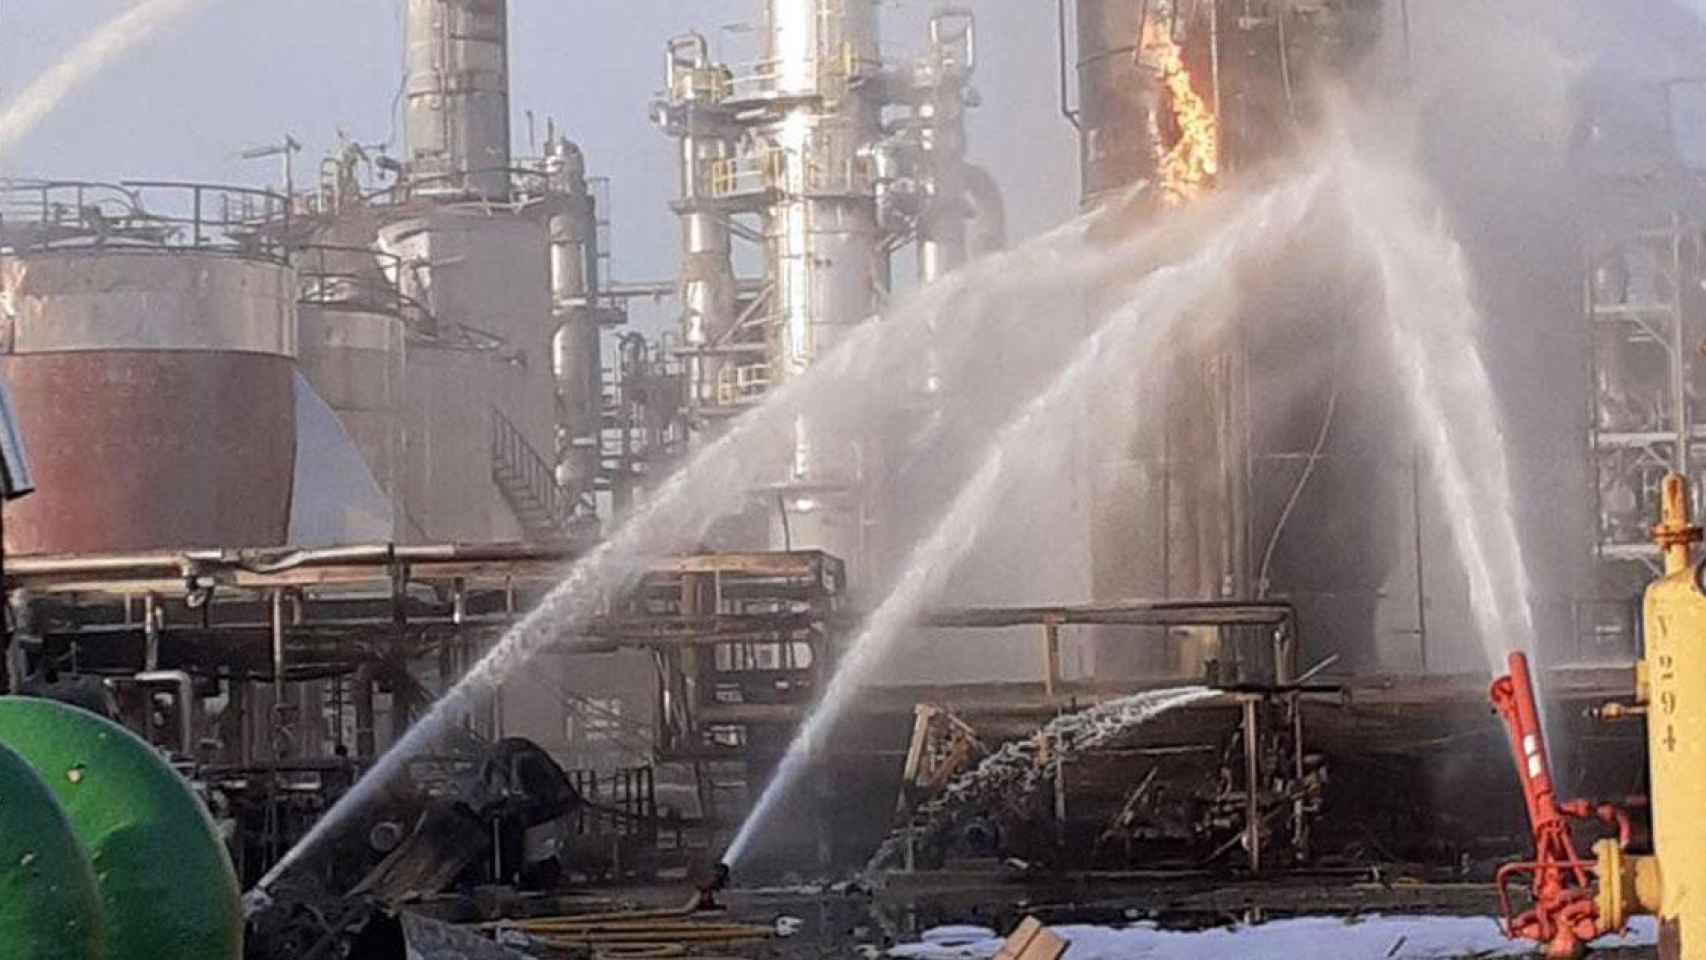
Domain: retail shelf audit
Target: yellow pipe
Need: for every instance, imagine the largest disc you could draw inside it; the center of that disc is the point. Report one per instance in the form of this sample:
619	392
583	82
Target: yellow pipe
1628	886
1672	681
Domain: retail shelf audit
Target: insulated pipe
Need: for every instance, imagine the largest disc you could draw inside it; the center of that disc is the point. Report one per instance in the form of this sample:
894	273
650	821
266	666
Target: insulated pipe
576	351
185	687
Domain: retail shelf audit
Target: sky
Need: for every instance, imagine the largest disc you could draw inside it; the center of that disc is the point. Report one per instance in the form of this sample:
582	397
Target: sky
237	73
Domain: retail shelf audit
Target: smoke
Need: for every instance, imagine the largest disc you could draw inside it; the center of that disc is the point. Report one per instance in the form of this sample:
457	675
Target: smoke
88	58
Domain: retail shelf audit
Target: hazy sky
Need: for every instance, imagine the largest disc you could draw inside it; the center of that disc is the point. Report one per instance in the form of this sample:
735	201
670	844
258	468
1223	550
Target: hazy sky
240	72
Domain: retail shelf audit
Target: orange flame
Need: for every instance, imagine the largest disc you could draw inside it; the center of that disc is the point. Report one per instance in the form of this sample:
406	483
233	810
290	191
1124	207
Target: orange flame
1188	169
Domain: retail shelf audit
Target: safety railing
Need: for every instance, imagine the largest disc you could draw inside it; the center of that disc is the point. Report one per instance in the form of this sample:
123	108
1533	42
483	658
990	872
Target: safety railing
331	275
528	479
742	384
36	215
791	172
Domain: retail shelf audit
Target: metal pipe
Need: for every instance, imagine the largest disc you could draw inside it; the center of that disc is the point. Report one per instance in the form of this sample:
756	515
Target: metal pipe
692	41
278	665
150	631
1252	785
577	359
1066	109
185	687
967	34
191	562
1145	613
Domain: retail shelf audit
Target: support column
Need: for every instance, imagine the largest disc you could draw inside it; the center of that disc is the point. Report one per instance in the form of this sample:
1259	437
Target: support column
692	597
1253	784
283	712
1051	657
361	697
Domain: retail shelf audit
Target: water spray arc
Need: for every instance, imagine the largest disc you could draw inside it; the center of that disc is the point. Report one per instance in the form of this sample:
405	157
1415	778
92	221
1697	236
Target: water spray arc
839	388
1425	300
1135	329
89	57
1014	766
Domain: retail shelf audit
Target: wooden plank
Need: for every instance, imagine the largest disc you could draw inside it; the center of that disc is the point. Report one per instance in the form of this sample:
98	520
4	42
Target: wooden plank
1032	941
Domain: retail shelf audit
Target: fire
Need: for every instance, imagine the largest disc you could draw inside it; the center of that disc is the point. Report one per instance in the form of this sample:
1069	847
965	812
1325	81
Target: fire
1187	170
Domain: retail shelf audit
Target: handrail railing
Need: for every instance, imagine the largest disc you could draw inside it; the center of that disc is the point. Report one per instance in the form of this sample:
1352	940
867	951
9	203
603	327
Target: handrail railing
514	455
349	276
143	214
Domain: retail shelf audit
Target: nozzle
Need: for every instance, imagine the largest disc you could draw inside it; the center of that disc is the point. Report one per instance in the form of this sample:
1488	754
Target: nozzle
718	881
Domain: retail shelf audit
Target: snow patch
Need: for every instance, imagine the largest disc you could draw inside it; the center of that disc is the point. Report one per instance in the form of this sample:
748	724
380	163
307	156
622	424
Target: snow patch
1373	937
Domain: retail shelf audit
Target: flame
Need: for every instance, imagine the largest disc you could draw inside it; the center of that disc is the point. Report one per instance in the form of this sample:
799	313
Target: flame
1188	169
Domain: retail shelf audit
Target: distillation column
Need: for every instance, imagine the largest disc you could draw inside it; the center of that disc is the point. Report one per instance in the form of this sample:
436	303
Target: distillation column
824	247
1223	476
797	142
708	289
457	118
577	362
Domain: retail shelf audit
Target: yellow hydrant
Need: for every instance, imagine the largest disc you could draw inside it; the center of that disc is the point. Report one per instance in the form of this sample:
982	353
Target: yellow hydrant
1671	682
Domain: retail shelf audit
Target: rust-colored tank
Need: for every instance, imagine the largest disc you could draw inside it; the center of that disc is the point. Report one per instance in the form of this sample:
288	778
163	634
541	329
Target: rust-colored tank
154	390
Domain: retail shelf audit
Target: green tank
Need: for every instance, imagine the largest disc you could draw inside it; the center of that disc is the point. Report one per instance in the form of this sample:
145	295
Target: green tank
49	906
164	880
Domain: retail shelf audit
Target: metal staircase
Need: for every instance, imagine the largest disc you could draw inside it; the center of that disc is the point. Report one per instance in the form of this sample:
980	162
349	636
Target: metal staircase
547	512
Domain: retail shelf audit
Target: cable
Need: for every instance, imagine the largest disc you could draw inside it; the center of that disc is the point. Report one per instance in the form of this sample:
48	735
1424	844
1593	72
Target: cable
403	81
1302	481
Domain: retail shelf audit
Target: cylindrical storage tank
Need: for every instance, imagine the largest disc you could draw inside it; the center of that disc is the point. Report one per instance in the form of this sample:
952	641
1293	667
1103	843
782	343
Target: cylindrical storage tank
354	359
154	389
457	117
484	277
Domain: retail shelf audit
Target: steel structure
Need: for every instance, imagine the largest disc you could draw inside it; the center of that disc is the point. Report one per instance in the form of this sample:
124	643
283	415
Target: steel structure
798	141
1645	319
